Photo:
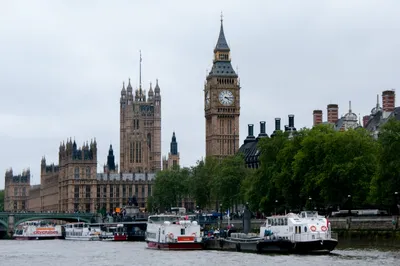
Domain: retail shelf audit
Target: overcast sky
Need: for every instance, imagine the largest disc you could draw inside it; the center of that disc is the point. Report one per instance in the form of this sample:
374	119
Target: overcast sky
62	64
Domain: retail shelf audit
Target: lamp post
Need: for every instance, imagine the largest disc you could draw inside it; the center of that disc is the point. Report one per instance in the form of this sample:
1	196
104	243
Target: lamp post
310	203
276	204
396	201
198	216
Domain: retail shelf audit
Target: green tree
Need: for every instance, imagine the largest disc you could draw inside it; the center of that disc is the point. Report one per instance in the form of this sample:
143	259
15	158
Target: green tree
387	178
202	182
227	184
170	187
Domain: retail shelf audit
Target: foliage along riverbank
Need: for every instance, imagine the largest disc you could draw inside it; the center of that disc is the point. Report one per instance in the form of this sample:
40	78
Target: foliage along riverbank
316	168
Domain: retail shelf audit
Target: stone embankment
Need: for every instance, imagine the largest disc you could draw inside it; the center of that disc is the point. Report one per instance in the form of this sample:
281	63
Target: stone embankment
380	223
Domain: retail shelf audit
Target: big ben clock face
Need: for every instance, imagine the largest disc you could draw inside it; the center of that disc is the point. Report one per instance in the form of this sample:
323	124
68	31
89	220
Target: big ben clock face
226	97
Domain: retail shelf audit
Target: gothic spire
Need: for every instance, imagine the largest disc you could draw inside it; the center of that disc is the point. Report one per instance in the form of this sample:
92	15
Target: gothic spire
140	73
222	44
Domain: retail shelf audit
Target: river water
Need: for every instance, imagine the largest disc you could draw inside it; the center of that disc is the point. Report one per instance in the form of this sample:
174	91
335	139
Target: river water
76	253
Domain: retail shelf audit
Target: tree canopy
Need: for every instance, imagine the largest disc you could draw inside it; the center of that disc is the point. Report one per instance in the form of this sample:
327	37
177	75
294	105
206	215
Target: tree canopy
315	168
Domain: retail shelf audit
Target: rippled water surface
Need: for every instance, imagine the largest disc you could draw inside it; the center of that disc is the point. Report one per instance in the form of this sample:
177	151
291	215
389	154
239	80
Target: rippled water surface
76	253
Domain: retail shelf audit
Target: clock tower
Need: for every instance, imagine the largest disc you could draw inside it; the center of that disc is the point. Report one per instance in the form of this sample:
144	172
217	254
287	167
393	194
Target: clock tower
222	103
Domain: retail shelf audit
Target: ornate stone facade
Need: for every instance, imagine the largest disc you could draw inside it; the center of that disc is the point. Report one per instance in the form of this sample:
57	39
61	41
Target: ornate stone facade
16	190
140	130
74	185
173	155
222	103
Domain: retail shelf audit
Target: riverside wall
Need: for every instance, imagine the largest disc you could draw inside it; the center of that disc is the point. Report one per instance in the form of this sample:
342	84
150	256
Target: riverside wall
379	223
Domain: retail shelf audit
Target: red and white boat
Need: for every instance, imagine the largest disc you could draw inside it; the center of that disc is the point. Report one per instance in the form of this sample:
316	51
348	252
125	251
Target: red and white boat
37	230
172	232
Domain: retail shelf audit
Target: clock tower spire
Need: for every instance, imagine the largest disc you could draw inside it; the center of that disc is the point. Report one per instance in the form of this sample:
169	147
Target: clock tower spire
222	102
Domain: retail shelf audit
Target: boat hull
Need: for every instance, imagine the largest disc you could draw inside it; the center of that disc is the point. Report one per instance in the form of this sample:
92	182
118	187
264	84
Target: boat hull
175	246
37	237
317	246
280	246
83	238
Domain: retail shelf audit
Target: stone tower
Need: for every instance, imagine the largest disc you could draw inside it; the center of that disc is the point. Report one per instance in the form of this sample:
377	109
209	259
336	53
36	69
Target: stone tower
173	156
222	103
16	190
140	129
77	177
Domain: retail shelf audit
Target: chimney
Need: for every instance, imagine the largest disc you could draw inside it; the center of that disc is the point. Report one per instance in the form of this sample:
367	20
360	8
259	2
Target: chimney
262	130
365	120
250	136
291	121
388	100
317	115
277	124
333	113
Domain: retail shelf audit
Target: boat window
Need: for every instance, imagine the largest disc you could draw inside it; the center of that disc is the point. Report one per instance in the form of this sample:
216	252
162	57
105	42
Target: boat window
303	215
286	223
305	229
299	229
183	231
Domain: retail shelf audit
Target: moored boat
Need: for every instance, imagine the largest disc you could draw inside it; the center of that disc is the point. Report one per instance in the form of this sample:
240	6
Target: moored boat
112	232
82	231
173	233
37	230
308	231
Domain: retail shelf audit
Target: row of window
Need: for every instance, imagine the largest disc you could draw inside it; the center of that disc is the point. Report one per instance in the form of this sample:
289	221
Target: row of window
86	172
19	191
135	152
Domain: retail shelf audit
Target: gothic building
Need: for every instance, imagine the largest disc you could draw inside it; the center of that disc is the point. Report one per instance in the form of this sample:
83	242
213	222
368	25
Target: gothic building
77	176
73	185
173	156
222	103
16	190
140	129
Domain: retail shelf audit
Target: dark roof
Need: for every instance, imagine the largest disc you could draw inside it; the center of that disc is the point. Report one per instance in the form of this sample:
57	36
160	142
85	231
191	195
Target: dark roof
339	123
222	44
222	69
250	151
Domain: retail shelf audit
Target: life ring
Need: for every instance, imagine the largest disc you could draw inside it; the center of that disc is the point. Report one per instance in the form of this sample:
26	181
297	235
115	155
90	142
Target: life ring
170	235
324	228
313	228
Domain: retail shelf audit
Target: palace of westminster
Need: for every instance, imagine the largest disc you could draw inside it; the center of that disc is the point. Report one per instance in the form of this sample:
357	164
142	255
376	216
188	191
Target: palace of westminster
74	184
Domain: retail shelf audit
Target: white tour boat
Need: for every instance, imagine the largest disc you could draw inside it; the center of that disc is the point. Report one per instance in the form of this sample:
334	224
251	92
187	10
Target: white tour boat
173	232
82	231
308	231
37	230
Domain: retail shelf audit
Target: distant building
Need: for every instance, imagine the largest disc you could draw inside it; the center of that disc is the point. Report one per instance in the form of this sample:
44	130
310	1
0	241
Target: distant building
173	156
73	185
16	190
347	121
380	115
250	149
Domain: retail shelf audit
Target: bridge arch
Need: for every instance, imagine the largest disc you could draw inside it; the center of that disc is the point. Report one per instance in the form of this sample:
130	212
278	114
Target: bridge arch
62	217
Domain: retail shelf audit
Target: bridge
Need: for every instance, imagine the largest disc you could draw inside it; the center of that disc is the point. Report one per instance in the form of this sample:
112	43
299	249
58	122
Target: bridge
10	220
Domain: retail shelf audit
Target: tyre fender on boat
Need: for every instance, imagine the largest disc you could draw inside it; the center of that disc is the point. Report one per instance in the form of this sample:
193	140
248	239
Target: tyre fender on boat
170	235
313	228
324	228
